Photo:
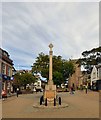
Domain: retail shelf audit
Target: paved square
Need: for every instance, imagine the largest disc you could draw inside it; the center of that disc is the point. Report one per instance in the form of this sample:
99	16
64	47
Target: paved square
81	105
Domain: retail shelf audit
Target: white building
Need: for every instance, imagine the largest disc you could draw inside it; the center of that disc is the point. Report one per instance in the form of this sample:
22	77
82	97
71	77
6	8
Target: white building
40	82
96	74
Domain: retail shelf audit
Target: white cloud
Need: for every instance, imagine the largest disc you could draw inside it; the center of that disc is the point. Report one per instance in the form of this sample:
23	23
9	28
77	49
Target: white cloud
28	28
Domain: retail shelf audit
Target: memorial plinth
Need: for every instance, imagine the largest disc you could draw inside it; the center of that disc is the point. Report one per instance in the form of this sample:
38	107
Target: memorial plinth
50	88
50	92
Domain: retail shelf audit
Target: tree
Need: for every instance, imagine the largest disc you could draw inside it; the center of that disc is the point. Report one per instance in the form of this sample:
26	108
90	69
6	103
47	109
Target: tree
58	78
41	65
68	68
61	68
27	78
22	79
17	79
91	57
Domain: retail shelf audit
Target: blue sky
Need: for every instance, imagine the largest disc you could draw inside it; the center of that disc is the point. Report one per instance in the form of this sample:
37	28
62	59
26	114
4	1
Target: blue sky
29	27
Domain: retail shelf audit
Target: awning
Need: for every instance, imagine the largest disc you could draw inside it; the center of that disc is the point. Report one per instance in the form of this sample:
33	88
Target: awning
5	77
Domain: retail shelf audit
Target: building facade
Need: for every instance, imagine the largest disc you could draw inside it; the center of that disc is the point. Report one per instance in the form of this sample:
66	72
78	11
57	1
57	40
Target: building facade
6	71
76	79
96	77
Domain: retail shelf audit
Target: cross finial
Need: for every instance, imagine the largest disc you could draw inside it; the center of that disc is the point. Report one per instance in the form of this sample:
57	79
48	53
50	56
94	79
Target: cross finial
50	45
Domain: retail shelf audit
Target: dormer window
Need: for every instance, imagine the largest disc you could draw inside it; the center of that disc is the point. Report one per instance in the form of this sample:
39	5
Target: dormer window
5	54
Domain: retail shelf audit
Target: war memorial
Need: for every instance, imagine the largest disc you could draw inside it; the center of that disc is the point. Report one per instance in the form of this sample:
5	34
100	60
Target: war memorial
50	99
50	89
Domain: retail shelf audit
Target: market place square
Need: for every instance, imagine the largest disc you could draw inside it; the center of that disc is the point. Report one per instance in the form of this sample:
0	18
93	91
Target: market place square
50	60
80	105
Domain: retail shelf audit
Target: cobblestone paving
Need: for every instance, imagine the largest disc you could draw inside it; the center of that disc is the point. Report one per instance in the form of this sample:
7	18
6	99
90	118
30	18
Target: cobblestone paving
81	105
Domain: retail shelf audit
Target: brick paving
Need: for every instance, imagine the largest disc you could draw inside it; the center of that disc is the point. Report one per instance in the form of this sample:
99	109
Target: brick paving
0	109
81	105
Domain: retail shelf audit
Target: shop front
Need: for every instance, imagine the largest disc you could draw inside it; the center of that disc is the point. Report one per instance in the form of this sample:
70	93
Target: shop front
7	82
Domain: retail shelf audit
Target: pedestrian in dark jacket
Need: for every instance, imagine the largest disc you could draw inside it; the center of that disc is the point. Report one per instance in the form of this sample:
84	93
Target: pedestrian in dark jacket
17	91
86	88
72	90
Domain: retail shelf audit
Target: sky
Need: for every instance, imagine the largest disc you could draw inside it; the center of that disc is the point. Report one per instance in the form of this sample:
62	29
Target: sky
29	27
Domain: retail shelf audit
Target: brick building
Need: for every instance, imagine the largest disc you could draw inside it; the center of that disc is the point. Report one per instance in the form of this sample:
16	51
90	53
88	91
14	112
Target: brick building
6	71
76	79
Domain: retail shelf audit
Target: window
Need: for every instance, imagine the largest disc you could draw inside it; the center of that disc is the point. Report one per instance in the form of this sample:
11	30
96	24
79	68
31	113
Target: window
5	54
3	68
9	71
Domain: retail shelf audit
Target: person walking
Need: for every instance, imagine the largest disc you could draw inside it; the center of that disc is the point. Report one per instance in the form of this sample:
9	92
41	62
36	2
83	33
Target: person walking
71	90
86	89
17	91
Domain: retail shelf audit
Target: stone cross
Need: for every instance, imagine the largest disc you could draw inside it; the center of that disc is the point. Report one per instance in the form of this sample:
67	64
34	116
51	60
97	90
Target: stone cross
50	88
50	81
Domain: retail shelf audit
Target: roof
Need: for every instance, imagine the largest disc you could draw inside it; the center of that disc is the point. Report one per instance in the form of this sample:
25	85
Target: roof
98	66
5	56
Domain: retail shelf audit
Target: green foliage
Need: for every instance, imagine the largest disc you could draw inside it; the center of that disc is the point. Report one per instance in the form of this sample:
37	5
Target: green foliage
27	78
68	68
91	57
17	79
61	68
41	65
24	79
58	78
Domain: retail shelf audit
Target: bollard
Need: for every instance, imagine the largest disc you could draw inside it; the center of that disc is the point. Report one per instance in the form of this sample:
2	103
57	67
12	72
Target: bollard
41	100
54	102
59	100
46	102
